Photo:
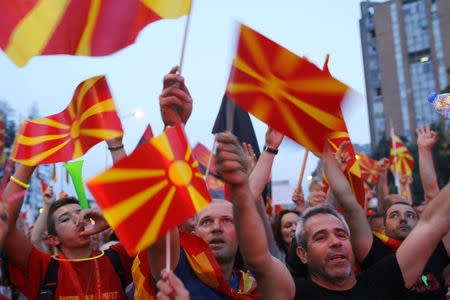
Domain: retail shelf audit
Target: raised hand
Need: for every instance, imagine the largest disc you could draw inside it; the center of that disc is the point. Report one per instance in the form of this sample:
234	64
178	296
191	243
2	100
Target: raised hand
49	196
251	156
383	164
342	156
231	160
299	199
426	138
273	138
175	100
96	215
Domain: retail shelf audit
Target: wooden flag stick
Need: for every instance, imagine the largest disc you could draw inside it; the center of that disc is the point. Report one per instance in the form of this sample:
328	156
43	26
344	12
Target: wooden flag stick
186	29
302	172
168	251
210	158
394	149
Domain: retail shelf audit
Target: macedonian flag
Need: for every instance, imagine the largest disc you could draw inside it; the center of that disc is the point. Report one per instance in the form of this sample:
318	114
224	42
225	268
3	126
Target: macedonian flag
369	169
401	156
89	119
285	91
202	155
2	140
352	172
153	190
78	27
336	138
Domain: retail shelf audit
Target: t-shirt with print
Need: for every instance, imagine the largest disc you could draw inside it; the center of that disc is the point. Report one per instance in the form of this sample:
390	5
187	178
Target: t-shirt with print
95	278
435	283
382	281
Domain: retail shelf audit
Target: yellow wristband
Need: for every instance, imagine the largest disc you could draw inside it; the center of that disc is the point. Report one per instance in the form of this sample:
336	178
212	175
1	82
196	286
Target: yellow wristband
18	182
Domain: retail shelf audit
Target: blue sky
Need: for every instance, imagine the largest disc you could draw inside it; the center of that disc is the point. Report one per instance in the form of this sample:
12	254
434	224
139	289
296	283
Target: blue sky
310	28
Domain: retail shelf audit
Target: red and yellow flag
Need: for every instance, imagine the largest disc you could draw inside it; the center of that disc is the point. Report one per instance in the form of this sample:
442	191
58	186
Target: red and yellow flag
401	155
2	140
202	155
90	118
144	198
78	27
287	92
369	169
352	172
336	138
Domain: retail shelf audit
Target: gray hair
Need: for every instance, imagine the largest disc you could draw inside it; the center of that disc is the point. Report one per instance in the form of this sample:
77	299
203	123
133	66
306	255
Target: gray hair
324	209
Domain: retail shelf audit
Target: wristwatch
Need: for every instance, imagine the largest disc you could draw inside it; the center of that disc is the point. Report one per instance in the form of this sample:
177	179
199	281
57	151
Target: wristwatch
270	150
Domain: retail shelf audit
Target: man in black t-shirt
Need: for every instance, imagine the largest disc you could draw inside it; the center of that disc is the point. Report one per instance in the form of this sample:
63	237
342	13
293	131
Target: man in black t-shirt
399	221
324	240
324	246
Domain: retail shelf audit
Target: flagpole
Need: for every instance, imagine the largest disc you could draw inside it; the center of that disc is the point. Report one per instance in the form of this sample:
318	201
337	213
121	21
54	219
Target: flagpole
394	149
186	29
210	159
168	251
302	172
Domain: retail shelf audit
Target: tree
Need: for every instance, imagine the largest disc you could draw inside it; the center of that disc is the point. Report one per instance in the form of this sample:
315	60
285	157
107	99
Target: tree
10	124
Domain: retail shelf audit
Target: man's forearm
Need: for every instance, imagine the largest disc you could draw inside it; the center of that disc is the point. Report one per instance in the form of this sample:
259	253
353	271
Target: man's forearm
428	174
23	174
261	173
39	228
249	228
265	219
433	225
382	188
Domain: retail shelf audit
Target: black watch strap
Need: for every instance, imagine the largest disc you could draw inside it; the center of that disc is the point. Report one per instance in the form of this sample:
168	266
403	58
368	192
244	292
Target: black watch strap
270	150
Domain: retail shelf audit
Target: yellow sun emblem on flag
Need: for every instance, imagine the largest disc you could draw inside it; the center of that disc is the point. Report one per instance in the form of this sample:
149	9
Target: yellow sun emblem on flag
151	191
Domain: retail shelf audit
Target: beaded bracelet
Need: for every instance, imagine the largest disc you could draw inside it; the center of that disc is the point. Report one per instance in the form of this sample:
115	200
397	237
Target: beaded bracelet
18	182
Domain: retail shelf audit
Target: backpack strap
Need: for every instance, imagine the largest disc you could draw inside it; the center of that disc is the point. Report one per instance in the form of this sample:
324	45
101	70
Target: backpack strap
114	258
48	287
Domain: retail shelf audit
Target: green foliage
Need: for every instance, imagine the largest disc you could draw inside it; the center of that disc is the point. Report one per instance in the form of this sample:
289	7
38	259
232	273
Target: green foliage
10	124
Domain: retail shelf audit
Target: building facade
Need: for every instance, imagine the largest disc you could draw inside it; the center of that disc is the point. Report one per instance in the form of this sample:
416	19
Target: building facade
406	54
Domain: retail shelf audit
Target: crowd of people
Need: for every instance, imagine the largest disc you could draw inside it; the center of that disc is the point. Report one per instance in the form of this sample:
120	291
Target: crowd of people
328	247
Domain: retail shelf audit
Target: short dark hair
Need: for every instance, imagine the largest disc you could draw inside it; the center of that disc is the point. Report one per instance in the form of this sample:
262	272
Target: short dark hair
324	209
276	227
392	204
53	207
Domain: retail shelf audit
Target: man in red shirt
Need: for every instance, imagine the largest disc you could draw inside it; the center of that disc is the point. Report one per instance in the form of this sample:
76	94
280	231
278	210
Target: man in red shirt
82	273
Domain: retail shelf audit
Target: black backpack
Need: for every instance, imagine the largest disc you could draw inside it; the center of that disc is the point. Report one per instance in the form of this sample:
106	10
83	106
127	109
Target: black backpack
48	287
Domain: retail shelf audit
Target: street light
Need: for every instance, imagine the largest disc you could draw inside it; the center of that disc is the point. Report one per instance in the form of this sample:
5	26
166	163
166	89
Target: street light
138	114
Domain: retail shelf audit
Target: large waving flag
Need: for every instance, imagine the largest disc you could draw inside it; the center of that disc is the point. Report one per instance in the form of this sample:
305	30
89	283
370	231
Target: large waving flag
78	27
401	155
285	91
369	169
144	198
90	118
336	138
2	140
